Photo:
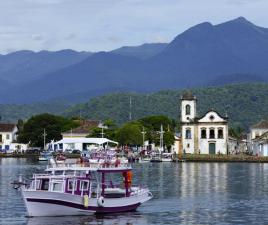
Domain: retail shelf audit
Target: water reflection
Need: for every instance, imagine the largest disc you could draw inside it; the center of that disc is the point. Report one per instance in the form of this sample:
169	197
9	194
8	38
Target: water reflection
115	219
186	193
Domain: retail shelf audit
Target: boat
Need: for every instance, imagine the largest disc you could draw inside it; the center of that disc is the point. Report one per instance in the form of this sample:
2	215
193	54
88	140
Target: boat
45	156
75	189
166	157
156	156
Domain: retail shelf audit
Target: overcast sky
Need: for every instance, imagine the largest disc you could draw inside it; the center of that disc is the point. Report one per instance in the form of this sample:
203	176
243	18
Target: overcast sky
95	25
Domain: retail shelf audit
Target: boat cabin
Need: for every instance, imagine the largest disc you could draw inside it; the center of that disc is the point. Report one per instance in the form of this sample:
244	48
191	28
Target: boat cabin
93	182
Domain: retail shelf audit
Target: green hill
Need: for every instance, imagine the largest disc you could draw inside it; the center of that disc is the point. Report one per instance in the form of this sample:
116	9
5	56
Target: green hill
245	104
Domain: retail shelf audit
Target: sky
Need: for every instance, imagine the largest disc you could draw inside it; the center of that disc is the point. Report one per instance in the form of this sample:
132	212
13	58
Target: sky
104	25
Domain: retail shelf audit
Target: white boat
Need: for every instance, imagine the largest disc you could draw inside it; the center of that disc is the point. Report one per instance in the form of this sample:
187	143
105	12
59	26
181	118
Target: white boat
45	156
166	157
82	190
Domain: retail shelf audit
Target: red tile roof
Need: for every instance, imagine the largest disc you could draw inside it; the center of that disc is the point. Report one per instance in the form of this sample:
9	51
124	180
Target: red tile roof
263	124
7	127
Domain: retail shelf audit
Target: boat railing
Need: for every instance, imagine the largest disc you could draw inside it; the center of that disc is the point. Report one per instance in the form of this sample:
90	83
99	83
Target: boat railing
88	165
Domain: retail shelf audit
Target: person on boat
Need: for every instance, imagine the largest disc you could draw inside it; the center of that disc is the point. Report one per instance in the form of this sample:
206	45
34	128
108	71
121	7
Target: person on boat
117	162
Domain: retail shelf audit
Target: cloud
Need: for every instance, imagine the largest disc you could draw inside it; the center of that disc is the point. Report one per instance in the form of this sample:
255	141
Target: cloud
94	25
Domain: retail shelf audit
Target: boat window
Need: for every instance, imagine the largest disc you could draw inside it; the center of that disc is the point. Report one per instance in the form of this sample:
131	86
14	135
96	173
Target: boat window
84	185
71	185
45	184
58	172
35	184
69	172
57	187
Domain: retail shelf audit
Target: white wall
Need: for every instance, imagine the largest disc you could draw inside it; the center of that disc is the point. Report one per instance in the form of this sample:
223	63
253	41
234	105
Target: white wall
221	144
7	141
188	144
186	118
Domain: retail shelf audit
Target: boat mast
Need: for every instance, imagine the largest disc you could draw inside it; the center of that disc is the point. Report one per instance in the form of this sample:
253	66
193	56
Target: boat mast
143	137
44	134
161	132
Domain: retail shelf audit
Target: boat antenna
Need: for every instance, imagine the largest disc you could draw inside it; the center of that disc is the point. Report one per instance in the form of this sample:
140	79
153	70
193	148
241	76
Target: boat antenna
44	134
143	137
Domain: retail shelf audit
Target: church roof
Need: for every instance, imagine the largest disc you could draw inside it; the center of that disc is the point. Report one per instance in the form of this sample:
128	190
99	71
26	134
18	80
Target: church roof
188	95
263	124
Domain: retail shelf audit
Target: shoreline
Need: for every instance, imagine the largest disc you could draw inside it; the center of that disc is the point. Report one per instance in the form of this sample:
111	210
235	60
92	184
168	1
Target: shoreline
222	158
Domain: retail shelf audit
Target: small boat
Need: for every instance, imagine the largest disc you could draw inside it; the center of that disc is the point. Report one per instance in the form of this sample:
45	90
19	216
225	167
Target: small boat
156	157
166	157
83	190
45	156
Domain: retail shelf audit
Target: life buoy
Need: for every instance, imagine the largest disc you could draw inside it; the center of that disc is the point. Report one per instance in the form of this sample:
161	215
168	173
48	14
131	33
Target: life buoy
100	201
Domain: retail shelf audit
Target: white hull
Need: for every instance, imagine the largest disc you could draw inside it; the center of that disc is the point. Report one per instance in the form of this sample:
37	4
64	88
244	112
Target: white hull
166	160
46	203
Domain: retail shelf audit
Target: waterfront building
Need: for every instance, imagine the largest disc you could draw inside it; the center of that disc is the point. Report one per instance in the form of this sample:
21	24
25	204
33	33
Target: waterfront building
8	134
80	144
207	134
259	138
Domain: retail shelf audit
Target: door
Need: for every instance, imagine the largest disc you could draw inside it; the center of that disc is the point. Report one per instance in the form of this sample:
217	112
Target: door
212	148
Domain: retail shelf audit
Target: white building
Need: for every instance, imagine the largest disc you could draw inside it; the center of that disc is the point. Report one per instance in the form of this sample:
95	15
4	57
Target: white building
8	134
259	138
205	135
80	144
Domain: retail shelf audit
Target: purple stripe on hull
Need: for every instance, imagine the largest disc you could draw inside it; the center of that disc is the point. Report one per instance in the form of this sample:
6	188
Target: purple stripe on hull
91	208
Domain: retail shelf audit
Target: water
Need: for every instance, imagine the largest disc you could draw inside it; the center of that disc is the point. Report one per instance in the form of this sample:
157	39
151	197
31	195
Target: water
184	193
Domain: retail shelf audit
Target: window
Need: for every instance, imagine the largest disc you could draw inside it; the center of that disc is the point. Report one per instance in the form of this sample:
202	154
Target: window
188	133
1	139
211	133
71	185
45	184
188	145
188	109
84	185
7	136
220	133
57	187
203	133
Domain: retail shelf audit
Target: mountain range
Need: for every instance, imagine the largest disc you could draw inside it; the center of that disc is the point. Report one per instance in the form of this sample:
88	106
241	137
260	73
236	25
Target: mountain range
204	55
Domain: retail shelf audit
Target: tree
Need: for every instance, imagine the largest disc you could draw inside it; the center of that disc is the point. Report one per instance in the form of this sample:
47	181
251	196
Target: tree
33	129
169	138
130	134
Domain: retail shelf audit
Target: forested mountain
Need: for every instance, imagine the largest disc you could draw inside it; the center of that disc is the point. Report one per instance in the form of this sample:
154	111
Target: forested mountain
203	55
245	104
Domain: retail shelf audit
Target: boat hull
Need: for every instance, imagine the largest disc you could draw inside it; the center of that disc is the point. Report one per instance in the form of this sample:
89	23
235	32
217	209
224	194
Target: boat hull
45	203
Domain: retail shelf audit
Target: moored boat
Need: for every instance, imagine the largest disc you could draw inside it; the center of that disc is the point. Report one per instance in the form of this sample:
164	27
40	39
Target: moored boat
45	156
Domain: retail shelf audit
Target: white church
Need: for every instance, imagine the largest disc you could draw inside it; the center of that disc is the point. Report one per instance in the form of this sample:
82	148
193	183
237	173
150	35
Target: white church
207	134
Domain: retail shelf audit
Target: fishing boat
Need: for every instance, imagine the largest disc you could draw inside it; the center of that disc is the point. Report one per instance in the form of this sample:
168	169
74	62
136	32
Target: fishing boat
83	189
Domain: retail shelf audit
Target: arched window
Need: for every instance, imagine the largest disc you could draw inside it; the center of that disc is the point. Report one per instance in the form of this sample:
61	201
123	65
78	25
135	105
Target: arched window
220	133
188	109
188	133
211	133
203	133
